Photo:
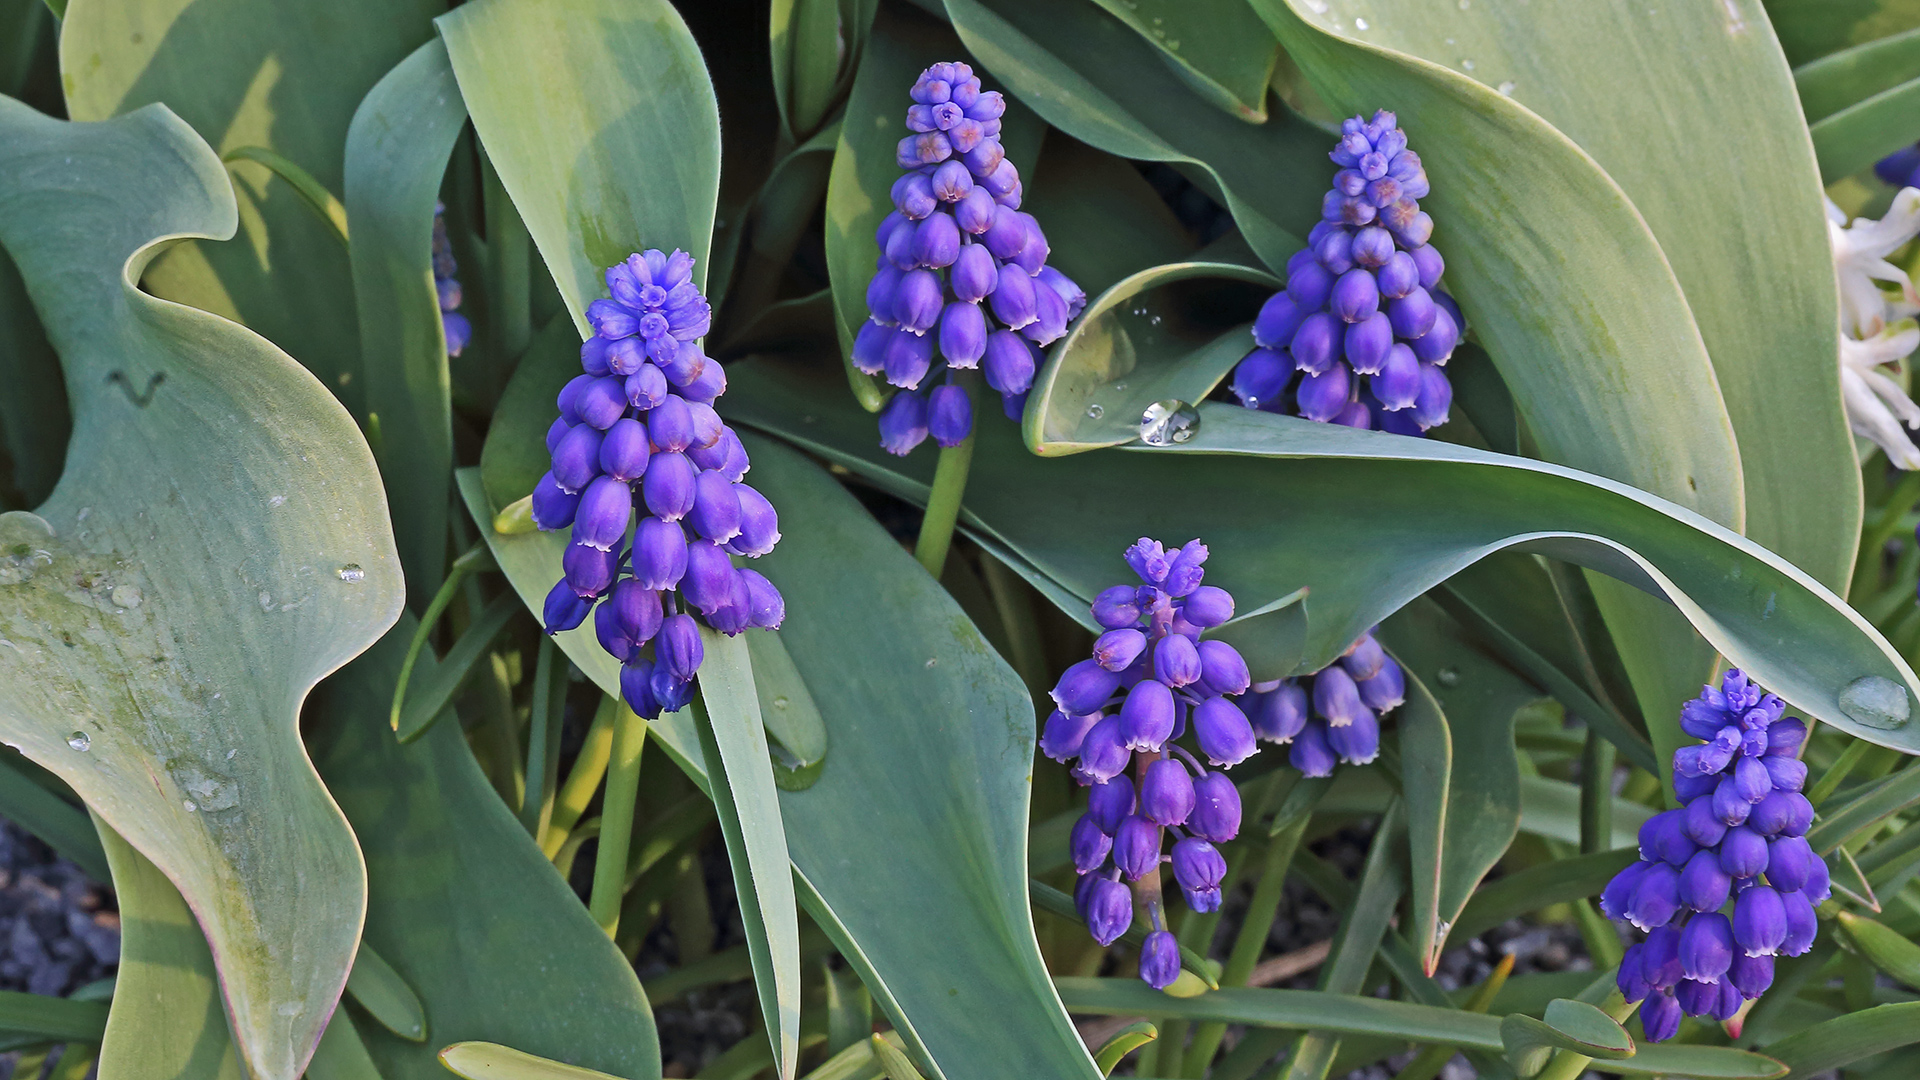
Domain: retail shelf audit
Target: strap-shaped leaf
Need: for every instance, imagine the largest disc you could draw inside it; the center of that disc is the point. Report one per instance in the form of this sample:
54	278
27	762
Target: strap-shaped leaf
1863	133
1834	82
216	546
1568	1025
1810	29
1225	54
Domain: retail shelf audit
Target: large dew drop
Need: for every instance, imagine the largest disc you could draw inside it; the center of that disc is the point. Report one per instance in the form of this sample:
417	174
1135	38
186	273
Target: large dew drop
1876	702
80	741
1167	422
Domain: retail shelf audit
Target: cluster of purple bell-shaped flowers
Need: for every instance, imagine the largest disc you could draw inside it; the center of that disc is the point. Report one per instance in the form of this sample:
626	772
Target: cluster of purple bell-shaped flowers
1363	321
1334	715
457	329
640	421
961	267
1728	881
1152	679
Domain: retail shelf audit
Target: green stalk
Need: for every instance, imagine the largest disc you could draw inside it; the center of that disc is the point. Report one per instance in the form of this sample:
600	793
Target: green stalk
1435	1057
1837	772
1873	541
544	710
616	819
943	502
1596	794
584	780
500	732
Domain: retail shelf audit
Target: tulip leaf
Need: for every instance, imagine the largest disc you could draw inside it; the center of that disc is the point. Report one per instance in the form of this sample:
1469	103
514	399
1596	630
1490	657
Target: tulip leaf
1103	220
397	150
1224	54
385	995
286	80
1366	521
1810	29
216	547
463	906
1085	72
1832	83
600	117
1860	134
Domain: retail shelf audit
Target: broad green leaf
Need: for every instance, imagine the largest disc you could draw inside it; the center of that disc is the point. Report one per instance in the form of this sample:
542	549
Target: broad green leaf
1340	518
1810	29
1090	76
216	547
923	793
733	742
1834	82
166	1018
61	825
397	149
491	1061
341	1055
903	44
385	995
787	707
600	118
1846	1039
807	39
462	904
514	457
1223	52
33	412
1859	135
1569	1025
1355	1015
248	74
1102	219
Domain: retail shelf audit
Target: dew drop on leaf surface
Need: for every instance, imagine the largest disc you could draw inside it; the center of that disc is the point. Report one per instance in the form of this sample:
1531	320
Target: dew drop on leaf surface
1167	422
352	574
80	741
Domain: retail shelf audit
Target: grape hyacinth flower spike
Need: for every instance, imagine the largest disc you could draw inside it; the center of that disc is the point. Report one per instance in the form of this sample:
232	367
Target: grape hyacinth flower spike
1334	715
962	282
1728	881
1362	322
1152	680
649	477
457	329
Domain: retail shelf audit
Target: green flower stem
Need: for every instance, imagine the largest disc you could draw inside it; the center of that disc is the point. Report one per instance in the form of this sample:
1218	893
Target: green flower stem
588	769
1596	794
544	710
616	819
499	731
943	503
1866	572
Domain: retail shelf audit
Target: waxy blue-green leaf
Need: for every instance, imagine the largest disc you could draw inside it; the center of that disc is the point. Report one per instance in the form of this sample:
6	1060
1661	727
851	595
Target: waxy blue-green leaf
1102	219
601	120
1090	76
33	412
816	47
217	545
462	904
248	74
1223	52
1366	521
1810	29
397	150
919	814
166	1018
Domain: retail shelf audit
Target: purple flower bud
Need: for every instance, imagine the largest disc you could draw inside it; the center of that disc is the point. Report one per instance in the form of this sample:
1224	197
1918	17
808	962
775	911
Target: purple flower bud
1704	886
1184	569
1702	825
1437	344
682	364
1222	730
759	524
1786	773
668	487
1010	362
1790	862
1356	415
1032	255
1013	300
1664	837
1802	924
646	387
670	425
553	506
986	160
1386	691
1136	847
1618	894
677	648
916	302
949	415
1368	343
1355	296
1772	814
1372	247
568	400
1759	921
636	686
1416	230
880	289
1007	235
1363	658
1148	715
1159	960
1063	734
456	330
927	148
1660	957
1706	947
611	320
1687	788
589	570
1216	808
1336	698
1222	669
1109	910
1115	650
1728	804
1085	687
1166	793
1049	317
1176	661
1751	975
1208	606
1278	321
1109	803
1399	276
975	213
1743	853
556	431
1199	868
1314	345
624	451
659	554
1413	314
952	182
622	358
576	460
1397	384
708	583
563	609
1262	376
1750	779
605	508
1435	399
1280	714
601	402
936	242
1819	885
870	346
1334	250
1702	720
1784	737
1088	845
1103	753
1660	1017
1430	264
1309	752
1322	396
635	610
1655	898
1116	607
909	357
1310	287
974	274
1630	979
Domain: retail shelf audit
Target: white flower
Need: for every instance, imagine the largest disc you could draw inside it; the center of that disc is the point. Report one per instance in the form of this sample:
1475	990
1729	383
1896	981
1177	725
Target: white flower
1870	336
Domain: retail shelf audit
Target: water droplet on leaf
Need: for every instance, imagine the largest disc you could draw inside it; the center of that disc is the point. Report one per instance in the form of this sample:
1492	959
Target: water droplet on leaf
1360	24
1449	676
1169	421
80	741
126	596
1466	65
1095	411
277	500
1876	702
188	803
781	703
1507	87
352	574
